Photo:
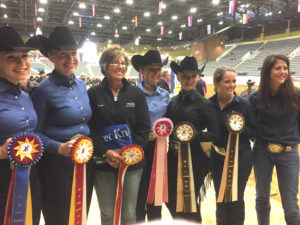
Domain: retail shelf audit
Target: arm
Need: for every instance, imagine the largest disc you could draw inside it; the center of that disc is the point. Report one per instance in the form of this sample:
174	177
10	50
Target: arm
3	149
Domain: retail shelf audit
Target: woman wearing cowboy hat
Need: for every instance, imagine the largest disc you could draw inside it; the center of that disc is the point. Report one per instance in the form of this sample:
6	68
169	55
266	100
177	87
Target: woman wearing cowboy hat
63	110
189	106
227	101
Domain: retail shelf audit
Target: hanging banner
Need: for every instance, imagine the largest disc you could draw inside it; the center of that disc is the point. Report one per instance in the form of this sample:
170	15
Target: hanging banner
160	7
94	9
231	6
208	29
190	21
161	30
180	36
245	18
135	21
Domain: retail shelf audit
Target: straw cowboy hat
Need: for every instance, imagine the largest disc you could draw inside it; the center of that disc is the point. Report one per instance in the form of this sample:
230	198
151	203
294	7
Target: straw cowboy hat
187	65
10	40
152	57
61	38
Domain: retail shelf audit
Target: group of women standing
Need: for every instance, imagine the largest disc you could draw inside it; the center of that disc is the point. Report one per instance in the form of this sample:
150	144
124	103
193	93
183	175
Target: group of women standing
60	108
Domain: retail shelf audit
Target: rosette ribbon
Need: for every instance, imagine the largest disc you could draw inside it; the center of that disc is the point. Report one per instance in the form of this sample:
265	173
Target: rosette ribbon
158	187
186	199
228	191
24	150
132	154
81	153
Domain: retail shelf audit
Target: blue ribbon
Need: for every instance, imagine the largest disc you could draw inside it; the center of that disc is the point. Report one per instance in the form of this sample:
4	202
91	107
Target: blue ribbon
116	136
20	196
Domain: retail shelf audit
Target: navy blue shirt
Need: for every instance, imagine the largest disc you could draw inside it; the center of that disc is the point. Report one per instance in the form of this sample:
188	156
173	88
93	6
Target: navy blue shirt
240	105
63	108
276	122
16	111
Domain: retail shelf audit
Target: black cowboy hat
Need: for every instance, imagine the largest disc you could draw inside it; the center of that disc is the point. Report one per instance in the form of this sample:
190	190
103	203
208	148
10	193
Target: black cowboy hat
187	65
10	40
61	38
152	57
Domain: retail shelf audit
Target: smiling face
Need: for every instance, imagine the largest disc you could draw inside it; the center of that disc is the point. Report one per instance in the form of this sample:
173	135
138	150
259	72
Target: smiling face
188	81
116	69
14	66
151	74
226	86
278	73
65	61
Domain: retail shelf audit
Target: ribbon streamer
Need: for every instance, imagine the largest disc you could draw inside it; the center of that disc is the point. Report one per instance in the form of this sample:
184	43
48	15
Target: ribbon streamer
158	187
132	155
81	153
228	191
23	151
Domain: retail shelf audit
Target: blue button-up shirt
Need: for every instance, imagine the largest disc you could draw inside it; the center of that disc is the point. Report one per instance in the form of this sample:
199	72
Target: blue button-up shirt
62	107
16	111
157	102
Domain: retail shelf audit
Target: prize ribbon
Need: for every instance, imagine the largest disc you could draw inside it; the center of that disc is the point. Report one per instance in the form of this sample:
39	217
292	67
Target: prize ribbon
132	154
228	191
24	150
186	199
80	154
158	187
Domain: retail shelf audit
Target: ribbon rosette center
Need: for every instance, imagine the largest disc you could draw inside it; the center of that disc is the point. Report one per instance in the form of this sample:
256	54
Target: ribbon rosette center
26	149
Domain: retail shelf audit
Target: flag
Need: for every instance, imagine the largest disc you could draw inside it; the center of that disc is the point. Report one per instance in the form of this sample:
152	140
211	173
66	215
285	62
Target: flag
180	36
94	9
208	28
245	18
161	30
34	23
231	6
190	21
160	6
80	21
35	10
135	21
298	5
116	33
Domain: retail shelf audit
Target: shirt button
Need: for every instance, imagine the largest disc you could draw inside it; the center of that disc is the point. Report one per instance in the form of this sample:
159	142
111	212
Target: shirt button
76	98
81	127
81	108
70	88
16	97
22	108
27	121
83	118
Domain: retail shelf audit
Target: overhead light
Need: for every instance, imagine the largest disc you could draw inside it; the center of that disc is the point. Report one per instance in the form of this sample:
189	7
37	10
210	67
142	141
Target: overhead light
43	1
41	10
129	2
82	6
174	17
5	16
137	41
39	19
3	5
109	41
99	25
183	26
75	14
199	20
139	37
279	12
241	21
148	30
159	39
132	20
124	28
106	17
221	23
220	14
160	23
170	32
38	31
93	33
193	10
31	35
163	6
146	14
70	22
117	10
215	2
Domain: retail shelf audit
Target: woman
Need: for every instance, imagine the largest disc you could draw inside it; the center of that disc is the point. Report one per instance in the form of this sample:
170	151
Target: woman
189	106
227	101
120	117
277	111
63	110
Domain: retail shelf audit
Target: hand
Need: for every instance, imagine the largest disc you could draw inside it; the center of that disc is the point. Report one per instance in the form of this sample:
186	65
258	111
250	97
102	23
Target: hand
3	149
113	158
65	148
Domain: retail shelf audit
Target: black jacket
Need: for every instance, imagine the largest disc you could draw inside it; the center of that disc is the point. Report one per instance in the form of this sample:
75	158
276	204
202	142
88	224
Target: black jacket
131	108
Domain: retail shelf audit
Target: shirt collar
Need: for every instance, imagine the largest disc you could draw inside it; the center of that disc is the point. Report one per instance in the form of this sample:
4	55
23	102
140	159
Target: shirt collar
63	80
192	94
157	90
4	85
236	98
104	82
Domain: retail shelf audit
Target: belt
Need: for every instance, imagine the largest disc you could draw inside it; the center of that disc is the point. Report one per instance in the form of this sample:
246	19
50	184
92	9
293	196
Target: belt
276	148
219	150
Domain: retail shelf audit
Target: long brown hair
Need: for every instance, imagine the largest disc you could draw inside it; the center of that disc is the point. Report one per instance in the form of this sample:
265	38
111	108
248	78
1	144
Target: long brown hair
287	90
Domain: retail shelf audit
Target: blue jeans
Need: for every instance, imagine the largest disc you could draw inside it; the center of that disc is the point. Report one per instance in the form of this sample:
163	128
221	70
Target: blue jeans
106	185
287	168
